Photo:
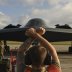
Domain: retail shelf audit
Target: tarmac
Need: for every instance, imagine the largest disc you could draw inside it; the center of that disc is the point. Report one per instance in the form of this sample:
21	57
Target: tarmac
66	62
65	57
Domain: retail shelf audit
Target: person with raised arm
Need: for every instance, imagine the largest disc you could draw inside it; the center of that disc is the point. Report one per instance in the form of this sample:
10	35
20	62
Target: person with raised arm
37	54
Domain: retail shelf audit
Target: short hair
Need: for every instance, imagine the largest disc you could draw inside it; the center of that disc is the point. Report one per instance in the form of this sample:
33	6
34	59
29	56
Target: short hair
38	55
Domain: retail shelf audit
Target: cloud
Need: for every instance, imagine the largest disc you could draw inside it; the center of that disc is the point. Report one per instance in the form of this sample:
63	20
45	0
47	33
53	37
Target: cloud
43	2
23	20
31	2
52	2
4	20
56	15
4	2
58	2
52	11
60	12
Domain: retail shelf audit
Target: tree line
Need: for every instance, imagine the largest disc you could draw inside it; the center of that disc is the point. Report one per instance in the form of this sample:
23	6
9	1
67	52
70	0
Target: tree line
65	26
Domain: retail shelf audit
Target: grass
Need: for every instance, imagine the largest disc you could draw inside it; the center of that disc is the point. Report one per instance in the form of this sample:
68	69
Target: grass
54	43
62	43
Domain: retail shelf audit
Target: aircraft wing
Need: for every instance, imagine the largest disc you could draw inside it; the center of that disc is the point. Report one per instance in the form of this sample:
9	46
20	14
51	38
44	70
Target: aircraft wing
52	34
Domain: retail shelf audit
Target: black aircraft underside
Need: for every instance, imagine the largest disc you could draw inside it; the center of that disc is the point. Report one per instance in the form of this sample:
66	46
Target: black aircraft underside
52	34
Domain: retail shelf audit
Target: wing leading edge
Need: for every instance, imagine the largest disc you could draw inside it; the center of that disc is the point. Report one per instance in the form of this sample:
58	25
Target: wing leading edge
52	34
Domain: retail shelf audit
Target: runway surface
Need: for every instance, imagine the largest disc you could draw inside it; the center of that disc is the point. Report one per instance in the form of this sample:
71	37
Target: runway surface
66	62
66	59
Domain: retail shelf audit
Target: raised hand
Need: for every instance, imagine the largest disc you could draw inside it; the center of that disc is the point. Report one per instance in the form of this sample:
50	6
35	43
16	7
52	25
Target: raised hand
30	32
41	30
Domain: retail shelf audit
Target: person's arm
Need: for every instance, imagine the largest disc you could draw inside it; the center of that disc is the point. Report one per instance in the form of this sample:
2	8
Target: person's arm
51	49
20	54
49	46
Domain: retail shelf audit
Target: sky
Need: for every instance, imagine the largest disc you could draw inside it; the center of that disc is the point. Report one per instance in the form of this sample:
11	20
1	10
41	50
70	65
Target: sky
21	11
